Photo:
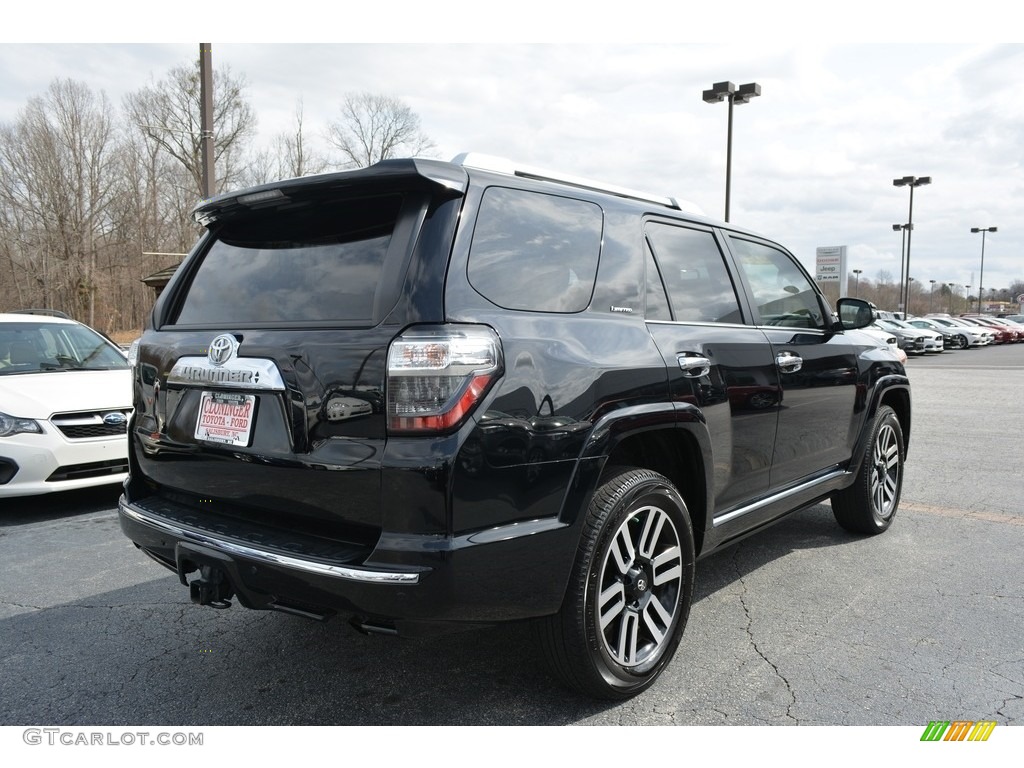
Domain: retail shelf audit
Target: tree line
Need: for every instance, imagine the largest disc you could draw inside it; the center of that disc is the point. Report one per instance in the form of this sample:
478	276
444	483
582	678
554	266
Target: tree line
924	297
95	196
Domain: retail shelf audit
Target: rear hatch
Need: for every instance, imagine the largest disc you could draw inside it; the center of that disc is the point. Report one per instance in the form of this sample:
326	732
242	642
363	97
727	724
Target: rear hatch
260	387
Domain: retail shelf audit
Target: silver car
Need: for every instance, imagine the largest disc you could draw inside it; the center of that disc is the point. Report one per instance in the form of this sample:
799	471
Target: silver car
912	340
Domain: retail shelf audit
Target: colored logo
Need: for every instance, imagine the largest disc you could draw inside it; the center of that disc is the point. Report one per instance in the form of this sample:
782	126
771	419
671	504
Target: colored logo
115	419
958	730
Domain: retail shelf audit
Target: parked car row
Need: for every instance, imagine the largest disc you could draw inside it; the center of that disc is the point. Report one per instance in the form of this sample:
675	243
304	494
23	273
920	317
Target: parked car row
1007	331
911	339
956	334
939	332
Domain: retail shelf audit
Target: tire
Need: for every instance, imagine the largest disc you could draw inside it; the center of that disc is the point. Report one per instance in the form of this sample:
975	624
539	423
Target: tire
629	594
962	342
869	505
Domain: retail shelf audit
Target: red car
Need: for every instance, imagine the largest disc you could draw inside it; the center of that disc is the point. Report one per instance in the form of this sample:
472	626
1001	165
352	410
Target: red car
1004	333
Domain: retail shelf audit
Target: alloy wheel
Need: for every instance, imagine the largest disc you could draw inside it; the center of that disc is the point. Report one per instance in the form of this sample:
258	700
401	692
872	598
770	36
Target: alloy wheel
638	596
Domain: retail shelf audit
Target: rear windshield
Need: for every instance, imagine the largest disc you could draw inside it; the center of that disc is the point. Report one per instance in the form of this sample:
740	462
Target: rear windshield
320	263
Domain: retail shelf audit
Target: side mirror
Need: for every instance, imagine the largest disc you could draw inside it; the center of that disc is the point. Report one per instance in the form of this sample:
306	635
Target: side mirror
855	313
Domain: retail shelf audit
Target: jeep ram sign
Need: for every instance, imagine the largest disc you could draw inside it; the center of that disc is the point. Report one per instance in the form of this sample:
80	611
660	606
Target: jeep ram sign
830	264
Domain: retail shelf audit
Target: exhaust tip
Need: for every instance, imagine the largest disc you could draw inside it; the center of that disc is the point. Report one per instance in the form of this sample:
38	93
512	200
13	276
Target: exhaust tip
367	626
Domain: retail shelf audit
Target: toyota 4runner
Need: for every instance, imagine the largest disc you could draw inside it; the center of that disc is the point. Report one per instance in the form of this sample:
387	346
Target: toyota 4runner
429	395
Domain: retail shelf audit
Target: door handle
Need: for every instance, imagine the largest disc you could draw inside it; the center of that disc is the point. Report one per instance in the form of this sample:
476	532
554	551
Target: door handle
789	362
694	366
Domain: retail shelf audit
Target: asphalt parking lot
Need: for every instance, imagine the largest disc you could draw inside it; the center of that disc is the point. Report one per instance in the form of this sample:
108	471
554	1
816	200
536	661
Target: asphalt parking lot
805	624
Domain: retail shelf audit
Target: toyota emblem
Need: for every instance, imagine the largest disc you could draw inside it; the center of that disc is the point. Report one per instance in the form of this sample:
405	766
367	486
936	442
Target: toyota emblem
222	349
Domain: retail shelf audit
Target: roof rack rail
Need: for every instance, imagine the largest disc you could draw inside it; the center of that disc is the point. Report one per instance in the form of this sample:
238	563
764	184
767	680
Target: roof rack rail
48	312
486	162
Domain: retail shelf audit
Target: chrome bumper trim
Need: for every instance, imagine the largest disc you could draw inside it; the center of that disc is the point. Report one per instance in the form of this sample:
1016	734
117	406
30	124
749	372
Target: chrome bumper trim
363	575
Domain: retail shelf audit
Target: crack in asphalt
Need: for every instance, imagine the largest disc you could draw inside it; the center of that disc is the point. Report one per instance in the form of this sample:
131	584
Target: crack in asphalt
753	642
23	605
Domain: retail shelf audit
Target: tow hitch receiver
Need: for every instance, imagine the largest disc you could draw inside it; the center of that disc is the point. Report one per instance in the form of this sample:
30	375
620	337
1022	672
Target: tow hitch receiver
212	586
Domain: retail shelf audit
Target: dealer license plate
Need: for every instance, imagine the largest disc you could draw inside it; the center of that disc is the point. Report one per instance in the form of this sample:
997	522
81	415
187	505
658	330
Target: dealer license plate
226	417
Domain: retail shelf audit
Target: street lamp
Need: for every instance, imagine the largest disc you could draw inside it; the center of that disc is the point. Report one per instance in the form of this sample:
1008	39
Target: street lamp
981	278
951	297
931	295
902	228
906	311
728	92
856	282
910	181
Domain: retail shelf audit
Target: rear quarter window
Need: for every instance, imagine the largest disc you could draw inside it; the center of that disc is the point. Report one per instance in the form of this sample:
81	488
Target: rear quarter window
534	251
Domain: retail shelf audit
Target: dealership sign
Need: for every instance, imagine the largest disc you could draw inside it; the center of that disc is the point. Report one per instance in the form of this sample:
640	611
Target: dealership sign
830	265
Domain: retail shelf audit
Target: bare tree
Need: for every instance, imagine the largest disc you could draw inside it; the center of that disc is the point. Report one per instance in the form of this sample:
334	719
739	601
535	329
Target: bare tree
167	113
291	156
58	164
297	157
373	127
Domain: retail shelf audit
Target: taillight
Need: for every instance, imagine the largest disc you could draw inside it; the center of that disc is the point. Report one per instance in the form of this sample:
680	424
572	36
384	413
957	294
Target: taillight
438	374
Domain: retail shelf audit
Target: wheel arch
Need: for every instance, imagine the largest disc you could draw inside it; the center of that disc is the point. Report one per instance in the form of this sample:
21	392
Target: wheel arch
893	391
898	398
670	439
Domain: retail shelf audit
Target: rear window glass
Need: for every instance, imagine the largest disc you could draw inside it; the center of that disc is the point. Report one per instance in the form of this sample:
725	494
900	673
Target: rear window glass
534	251
322	263
694	274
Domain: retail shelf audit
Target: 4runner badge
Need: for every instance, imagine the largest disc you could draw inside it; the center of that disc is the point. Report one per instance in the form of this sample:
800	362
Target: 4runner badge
222	349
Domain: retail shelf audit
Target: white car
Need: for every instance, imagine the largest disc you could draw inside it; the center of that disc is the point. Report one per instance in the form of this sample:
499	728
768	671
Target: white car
916	340
65	402
885	340
976	336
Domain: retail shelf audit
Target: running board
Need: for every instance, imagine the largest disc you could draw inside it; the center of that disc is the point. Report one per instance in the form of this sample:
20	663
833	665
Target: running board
781	496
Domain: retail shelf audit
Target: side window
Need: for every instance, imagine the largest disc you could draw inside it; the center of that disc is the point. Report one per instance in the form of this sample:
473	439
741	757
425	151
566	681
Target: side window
694	273
783	294
657	301
535	251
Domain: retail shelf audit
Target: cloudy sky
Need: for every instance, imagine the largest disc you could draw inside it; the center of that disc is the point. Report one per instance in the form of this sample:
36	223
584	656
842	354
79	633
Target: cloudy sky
813	158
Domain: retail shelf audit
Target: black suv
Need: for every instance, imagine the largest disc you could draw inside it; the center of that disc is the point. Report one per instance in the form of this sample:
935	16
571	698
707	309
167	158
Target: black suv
432	395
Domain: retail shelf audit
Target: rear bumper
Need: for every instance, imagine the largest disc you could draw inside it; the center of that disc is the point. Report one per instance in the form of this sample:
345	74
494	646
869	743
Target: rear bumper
411	585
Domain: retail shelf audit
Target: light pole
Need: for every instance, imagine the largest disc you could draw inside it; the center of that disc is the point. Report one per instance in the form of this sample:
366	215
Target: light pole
902	228
951	297
981	278
910	181
931	296
856	283
206	118
728	92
